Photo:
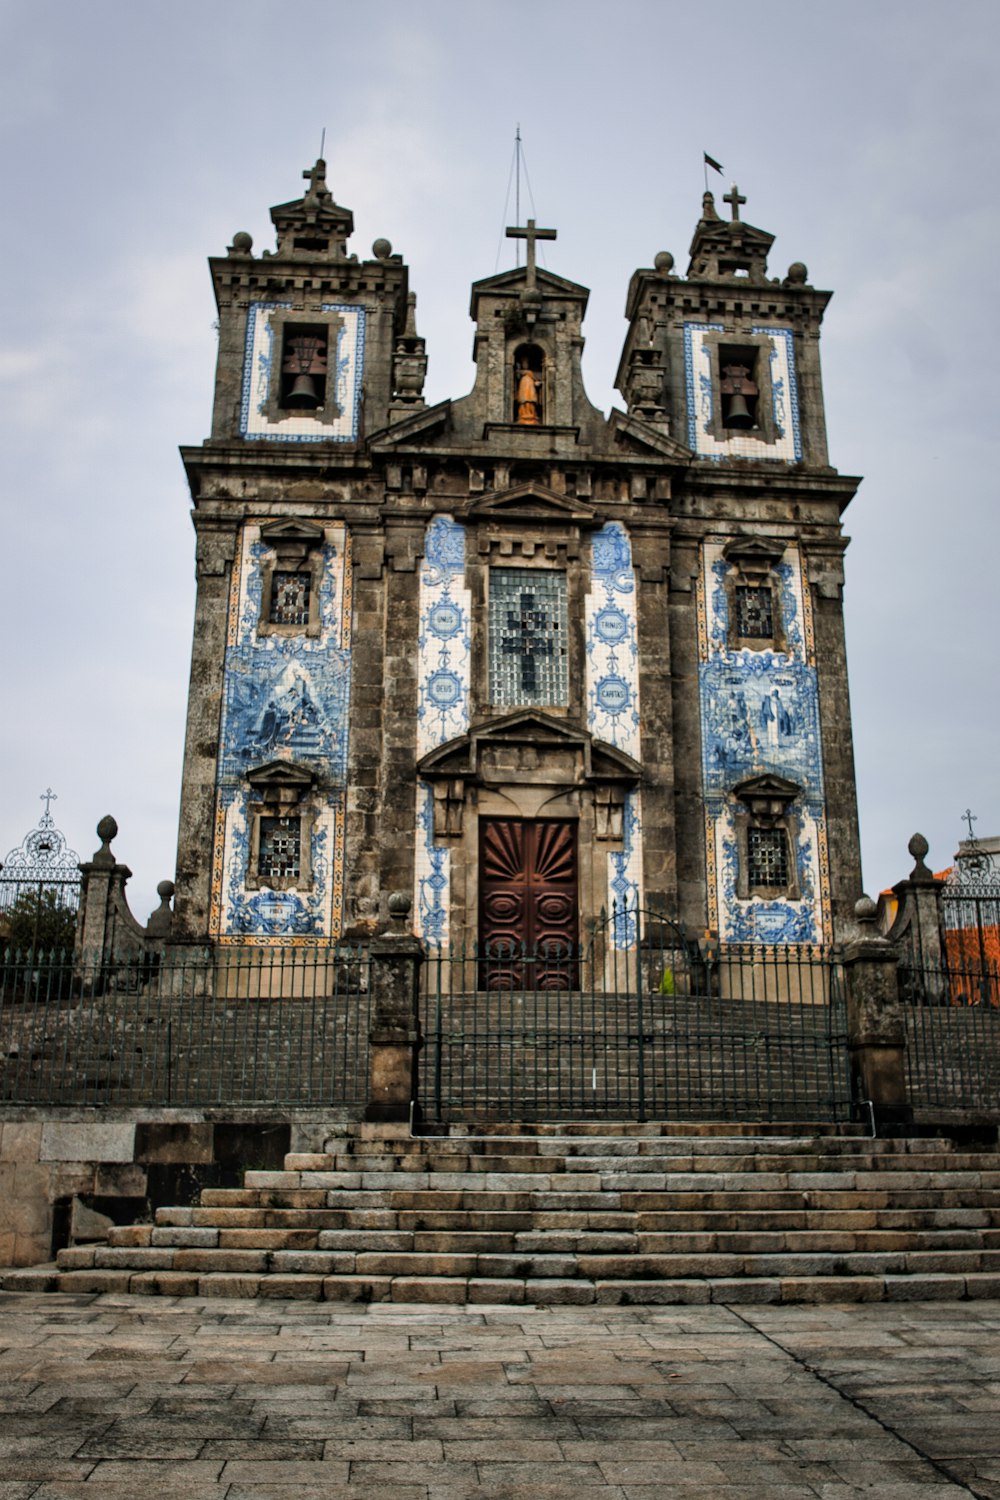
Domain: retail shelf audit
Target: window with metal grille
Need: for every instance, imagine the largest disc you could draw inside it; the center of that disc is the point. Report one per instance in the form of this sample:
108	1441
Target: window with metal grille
528	634
767	857
290	598
280	849
754	612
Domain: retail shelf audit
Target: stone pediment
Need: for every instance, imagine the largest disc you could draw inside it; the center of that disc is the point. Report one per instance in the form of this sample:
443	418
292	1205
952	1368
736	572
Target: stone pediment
515	280
754	554
645	439
545	737
292	531
532	503
281	783
422	425
768	795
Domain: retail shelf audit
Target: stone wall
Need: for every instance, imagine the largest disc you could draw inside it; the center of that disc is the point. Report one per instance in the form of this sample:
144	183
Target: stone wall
64	1173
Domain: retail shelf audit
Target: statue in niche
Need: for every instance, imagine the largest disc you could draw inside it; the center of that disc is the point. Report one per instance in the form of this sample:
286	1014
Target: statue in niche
528	387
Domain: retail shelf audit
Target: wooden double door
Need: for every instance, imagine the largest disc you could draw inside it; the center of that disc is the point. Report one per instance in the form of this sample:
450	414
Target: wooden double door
528	903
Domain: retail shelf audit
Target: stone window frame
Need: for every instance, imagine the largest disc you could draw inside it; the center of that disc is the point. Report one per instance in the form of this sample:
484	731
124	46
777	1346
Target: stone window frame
716	344
766	802
293	547
281	319
753	563
280	789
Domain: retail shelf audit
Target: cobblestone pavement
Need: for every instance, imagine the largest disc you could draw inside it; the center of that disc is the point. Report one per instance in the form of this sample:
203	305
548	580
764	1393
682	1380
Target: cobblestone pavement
238	1400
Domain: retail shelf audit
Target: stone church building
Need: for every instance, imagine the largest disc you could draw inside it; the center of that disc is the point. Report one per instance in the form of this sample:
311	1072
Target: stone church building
524	660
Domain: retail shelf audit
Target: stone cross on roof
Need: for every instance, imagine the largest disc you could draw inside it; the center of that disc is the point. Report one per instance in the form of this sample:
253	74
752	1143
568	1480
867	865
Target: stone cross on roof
531	234
316	178
735	197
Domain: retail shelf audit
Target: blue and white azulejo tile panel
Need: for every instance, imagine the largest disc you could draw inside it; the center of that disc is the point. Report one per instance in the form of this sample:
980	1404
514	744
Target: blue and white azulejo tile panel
346	368
702	399
444	641
625	877
612	643
612	684
760	714
444	645
285	698
433	875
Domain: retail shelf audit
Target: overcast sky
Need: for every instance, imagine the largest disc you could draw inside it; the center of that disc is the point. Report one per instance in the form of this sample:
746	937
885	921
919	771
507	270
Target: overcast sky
137	138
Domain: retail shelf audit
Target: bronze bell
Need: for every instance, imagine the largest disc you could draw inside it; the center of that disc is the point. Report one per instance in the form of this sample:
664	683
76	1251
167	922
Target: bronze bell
305	359
303	392
736	386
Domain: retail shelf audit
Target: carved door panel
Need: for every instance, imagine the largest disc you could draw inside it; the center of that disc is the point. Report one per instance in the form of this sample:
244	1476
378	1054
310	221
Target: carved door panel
528	903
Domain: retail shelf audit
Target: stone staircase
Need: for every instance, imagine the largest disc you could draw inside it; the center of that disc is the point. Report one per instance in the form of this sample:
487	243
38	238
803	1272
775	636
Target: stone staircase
575	1213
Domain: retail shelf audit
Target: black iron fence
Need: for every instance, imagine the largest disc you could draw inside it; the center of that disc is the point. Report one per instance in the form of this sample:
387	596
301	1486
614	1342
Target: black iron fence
241	1026
638	1022
952	1017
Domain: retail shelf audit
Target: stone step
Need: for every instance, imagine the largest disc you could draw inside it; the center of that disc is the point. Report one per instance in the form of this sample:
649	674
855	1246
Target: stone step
793	1289
313	1170
353	1221
527	1265
563	1240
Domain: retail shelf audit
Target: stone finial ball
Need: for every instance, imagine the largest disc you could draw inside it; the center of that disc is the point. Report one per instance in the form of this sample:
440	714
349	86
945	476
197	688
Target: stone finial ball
664	262
165	890
382	249
107	829
865	909
399	904
242	242
918	846
797	273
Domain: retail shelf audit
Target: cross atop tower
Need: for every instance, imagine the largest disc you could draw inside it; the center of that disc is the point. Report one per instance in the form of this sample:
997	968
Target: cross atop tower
531	234
316	178
734	197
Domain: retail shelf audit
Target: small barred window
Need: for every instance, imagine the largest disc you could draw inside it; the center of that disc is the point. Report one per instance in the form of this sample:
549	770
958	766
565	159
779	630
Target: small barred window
280	854
528	633
290	598
767	857
754	612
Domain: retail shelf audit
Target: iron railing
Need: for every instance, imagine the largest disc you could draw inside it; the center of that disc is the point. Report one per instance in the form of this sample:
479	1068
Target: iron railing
664	1028
238	1026
952	1019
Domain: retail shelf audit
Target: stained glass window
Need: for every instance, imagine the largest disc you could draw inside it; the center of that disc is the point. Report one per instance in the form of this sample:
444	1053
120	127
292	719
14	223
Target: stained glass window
528	637
290	598
754	612
280	850
767	857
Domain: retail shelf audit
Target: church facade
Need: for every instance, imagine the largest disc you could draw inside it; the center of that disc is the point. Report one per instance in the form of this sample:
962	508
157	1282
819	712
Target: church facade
523	660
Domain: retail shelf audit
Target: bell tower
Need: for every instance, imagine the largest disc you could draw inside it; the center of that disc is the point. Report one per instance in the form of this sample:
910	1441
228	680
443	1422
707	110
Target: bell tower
727	359
316	349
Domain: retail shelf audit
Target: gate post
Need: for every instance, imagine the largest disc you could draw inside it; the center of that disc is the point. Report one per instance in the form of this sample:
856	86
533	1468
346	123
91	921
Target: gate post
394	1039
876	1034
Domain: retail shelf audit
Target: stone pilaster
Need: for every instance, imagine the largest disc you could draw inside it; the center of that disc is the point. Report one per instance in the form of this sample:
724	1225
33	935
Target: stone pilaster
876	1034
394	1038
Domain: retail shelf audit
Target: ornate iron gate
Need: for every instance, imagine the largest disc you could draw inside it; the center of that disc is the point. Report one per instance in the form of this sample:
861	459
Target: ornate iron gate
655	1026
39	880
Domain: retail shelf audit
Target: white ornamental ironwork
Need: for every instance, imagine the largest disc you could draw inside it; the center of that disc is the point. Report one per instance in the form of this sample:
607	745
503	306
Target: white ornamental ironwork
43	861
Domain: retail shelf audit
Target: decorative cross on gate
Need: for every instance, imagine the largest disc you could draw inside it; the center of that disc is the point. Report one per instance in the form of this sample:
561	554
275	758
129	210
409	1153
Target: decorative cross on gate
48	797
530	639
531	234
970	817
